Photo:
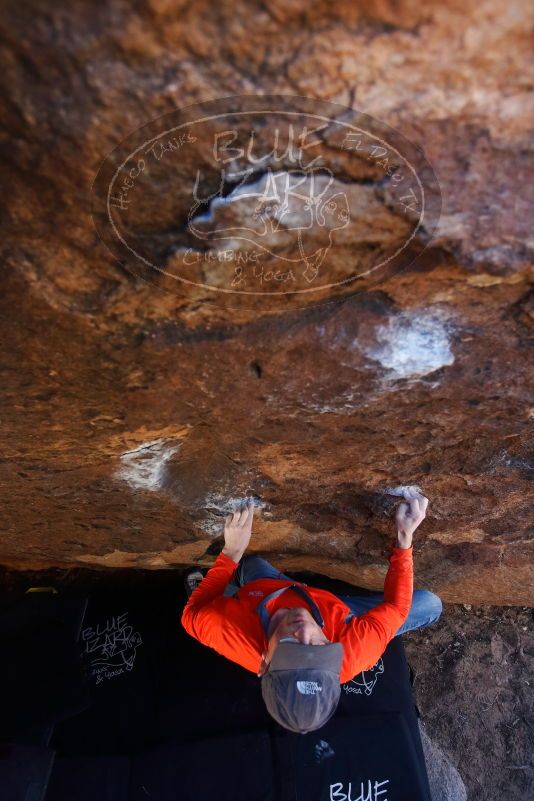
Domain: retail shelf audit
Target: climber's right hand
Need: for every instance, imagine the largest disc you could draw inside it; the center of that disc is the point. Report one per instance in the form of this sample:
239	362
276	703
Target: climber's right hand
409	516
238	529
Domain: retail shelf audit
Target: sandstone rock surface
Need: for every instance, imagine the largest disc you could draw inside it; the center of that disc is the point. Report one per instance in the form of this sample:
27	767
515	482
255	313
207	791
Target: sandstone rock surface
133	417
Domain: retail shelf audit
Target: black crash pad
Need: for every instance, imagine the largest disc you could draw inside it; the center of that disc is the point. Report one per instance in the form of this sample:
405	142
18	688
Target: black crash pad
192	725
123	643
90	779
24	772
365	758
228	768
41	675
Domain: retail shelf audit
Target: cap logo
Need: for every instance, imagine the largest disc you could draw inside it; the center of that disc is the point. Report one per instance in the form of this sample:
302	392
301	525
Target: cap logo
309	687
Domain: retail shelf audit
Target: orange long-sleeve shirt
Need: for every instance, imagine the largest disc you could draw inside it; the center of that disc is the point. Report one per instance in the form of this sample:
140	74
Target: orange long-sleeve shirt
232	627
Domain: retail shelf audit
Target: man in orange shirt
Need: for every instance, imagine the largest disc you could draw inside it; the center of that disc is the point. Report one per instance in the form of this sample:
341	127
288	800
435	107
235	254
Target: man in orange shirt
302	641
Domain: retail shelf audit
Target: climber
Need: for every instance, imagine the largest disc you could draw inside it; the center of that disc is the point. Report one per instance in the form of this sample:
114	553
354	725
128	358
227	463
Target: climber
302	641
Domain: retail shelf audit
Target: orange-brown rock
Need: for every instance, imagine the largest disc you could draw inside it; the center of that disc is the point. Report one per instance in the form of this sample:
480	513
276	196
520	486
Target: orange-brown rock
132	417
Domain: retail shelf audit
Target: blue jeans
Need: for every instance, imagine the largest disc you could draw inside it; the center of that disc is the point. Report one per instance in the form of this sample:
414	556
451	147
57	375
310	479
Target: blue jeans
425	609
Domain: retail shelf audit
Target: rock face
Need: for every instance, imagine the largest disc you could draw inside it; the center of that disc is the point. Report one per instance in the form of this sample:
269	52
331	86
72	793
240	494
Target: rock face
133	416
443	778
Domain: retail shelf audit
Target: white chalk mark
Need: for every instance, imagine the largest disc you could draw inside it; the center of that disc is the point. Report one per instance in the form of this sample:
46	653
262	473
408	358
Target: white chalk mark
224	504
144	466
218	506
412	344
404	491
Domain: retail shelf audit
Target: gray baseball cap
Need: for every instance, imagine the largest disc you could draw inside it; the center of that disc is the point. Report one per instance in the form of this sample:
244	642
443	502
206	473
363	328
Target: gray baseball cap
301	688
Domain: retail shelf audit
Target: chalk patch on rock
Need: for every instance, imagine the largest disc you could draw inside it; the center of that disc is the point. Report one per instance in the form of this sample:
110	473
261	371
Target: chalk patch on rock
404	490
412	344
505	459
144	466
225	505
342	404
218	506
